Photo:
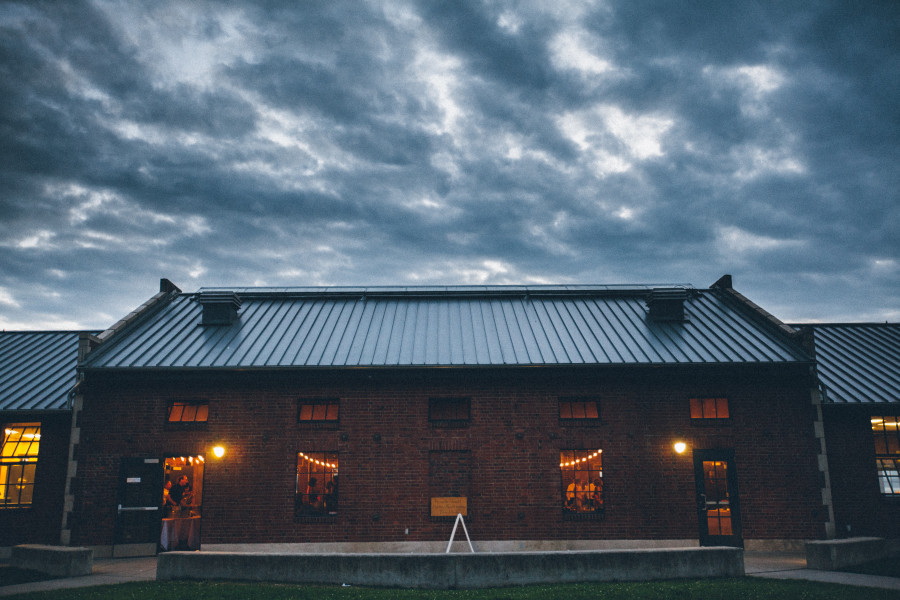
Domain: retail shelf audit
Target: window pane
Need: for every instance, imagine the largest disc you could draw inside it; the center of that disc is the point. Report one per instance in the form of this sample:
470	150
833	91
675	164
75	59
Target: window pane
590	410
893	442
190	412
880	444
565	409
721	408
696	408
332	412
319	412
709	408
175	411
306	412
578	410
581	477
202	412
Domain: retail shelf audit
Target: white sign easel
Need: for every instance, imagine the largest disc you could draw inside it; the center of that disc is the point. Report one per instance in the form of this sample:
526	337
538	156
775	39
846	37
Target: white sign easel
459	519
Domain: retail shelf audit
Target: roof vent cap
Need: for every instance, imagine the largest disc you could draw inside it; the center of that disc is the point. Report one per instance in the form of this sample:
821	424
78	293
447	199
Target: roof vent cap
667	304
219	307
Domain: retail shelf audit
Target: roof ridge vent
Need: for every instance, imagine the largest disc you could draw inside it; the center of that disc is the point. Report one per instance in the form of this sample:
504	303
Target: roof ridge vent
666	304
219	307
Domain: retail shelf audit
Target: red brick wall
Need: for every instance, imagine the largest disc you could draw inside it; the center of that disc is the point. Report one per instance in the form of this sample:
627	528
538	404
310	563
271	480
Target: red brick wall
514	440
40	523
859	507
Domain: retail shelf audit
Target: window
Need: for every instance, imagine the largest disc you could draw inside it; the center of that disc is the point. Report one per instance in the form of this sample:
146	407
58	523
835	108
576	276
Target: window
319	411
18	463
188	412
582	480
709	410
449	412
316	494
887	454
578	409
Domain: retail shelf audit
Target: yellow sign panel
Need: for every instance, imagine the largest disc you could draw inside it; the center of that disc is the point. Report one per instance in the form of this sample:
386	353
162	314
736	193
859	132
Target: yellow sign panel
448	507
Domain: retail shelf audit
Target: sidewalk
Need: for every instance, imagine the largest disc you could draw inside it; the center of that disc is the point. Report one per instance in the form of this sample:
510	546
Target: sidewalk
779	565
756	564
106	571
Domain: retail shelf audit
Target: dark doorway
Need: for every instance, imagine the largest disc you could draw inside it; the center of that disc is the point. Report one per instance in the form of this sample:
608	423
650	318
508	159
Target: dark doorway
718	506
140	501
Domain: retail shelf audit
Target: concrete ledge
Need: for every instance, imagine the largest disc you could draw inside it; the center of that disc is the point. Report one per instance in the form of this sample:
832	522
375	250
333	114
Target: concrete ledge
451	571
831	555
59	561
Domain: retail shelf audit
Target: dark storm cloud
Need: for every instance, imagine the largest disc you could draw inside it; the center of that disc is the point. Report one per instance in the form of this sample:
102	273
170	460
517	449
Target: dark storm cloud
380	143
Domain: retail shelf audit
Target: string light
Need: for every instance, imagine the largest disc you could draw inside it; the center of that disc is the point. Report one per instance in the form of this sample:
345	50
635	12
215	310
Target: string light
580	460
318	462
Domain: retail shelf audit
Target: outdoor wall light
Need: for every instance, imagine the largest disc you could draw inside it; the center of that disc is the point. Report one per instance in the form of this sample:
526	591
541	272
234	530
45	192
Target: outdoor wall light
219	451
680	447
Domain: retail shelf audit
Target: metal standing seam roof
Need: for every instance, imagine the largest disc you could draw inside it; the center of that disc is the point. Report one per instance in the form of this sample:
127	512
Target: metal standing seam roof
443	326
37	369
858	363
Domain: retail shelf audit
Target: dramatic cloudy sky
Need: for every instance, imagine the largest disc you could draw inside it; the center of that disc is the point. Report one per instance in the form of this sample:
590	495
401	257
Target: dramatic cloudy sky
373	143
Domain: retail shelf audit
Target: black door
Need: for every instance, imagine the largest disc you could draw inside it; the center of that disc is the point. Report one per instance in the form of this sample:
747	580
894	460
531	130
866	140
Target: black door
718	507
139	503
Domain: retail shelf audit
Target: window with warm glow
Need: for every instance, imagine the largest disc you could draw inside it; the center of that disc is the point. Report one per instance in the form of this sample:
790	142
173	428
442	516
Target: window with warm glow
582	480
312	411
578	410
709	409
18	463
449	412
188	412
316	493
886	431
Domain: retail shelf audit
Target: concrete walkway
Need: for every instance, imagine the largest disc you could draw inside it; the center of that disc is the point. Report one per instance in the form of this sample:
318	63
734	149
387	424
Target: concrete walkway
778	565
756	564
106	571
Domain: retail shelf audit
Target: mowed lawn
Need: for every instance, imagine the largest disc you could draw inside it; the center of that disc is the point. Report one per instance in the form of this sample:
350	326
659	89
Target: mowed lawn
746	588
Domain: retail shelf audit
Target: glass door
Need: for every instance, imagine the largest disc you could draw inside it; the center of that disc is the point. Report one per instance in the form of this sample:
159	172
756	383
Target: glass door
718	507
182	502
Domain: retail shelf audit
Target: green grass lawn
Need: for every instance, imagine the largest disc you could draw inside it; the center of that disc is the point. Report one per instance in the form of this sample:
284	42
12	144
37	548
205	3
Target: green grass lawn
747	588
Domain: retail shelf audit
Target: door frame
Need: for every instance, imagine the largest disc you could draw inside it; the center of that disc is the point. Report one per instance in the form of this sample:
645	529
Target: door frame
719	455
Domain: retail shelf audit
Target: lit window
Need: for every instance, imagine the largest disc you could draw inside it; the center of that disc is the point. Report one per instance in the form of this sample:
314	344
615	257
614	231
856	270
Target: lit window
449	412
579	409
319	410
709	408
18	463
887	454
316	494
582	480
188	412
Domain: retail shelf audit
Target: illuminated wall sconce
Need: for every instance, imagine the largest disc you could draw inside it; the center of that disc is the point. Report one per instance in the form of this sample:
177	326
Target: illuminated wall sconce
219	451
680	447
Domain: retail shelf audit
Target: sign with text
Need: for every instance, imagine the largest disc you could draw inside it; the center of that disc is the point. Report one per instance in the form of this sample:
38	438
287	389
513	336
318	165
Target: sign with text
448	507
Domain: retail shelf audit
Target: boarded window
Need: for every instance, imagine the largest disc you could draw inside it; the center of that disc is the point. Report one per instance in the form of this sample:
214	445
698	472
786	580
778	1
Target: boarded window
449	412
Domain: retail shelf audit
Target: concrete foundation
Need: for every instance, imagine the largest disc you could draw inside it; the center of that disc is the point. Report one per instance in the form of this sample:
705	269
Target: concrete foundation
832	555
451	571
59	561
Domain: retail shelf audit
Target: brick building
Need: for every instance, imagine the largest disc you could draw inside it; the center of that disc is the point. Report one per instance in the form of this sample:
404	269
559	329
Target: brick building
37	375
549	416
858	369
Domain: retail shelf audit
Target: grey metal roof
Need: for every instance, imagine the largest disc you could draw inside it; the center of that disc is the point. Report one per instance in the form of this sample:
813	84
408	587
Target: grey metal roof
858	363
444	326
37	369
